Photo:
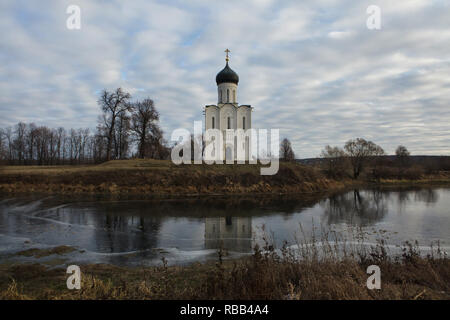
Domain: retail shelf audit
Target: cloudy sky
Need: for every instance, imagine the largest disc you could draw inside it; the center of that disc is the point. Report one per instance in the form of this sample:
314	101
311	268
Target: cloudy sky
310	68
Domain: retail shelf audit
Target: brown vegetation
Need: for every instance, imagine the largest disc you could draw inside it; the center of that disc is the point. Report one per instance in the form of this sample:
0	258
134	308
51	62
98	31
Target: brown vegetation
162	177
318	274
364	160
38	253
159	177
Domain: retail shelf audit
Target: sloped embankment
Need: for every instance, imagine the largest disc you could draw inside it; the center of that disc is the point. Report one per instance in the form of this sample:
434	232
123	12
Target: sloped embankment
163	177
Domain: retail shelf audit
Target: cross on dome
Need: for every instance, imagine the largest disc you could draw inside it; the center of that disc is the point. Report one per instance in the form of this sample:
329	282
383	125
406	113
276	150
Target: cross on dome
227	58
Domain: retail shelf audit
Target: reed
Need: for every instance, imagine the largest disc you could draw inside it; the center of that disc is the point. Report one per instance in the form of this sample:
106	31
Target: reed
319	266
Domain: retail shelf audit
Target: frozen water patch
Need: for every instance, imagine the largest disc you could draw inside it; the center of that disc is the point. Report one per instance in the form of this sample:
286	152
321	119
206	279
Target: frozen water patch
11	244
342	247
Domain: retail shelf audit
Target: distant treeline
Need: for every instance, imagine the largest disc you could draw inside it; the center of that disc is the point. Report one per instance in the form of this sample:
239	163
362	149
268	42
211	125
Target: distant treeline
360	157
125	129
431	161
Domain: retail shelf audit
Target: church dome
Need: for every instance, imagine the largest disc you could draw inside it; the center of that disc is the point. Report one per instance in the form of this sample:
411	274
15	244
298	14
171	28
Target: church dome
227	75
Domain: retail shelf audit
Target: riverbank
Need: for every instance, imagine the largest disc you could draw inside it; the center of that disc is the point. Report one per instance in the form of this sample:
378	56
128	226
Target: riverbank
161	177
264	275
30	270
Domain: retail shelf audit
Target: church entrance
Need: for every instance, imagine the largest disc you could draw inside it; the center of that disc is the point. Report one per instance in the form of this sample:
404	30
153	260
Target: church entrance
229	154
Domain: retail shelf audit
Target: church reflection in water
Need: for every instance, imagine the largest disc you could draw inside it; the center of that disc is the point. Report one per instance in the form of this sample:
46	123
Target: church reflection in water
230	233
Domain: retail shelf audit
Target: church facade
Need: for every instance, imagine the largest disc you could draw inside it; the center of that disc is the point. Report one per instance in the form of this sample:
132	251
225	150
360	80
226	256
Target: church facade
228	116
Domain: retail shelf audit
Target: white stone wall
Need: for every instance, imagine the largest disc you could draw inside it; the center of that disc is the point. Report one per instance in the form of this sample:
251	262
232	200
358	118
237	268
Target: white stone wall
210	112
224	88
227	111
227	107
244	111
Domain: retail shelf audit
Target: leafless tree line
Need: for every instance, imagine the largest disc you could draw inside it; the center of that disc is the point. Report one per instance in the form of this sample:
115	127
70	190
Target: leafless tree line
364	158
358	152
125	129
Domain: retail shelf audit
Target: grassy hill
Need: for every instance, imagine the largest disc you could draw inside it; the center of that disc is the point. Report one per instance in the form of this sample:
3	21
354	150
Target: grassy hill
160	177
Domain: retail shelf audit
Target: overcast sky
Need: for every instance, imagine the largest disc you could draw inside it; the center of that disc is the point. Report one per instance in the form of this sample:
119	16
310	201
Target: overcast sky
310	68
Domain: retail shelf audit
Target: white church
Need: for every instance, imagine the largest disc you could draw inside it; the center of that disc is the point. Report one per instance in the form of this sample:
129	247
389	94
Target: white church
228	114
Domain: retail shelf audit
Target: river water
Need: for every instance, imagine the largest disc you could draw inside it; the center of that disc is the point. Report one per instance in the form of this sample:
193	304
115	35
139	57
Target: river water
142	232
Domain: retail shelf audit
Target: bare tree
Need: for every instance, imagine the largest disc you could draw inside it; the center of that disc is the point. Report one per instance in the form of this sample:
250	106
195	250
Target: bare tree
122	135
377	161
2	145
30	144
286	152
401	151
113	104
335	160
158	146
402	155
9	138
19	141
30	141
60	142
360	153
145	128
42	144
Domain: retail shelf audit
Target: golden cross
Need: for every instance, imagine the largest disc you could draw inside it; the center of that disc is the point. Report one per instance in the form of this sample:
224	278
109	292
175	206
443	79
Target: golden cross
227	59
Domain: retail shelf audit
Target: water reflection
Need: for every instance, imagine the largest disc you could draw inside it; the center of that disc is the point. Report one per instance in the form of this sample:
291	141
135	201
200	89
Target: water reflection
429	196
119	228
355	208
231	233
127	232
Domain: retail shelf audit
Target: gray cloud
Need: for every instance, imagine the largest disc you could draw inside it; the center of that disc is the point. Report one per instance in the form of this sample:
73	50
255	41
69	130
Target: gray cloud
312	69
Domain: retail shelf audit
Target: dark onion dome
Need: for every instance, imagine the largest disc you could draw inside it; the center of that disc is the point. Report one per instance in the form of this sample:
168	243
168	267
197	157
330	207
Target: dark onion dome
227	75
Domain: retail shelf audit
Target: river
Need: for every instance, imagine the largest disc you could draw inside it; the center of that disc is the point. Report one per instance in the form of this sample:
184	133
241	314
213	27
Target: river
142	232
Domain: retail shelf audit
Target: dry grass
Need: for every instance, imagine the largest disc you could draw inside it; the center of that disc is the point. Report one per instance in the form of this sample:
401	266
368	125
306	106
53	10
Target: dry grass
162	177
441	178
159	177
311	271
39	253
104	167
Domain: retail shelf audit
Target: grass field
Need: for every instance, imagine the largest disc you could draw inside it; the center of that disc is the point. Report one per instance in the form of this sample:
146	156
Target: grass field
156	177
162	177
104	167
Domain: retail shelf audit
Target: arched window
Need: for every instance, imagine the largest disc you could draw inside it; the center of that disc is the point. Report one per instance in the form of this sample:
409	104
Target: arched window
229	123
213	122
234	96
243	123
228	95
220	96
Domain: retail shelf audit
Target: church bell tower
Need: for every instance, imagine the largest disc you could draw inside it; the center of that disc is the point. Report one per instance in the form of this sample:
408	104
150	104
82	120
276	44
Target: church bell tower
228	115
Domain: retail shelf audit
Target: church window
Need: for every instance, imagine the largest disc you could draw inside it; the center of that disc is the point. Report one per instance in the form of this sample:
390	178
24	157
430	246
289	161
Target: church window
229	123
220	96
228	95
213	122
243	123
